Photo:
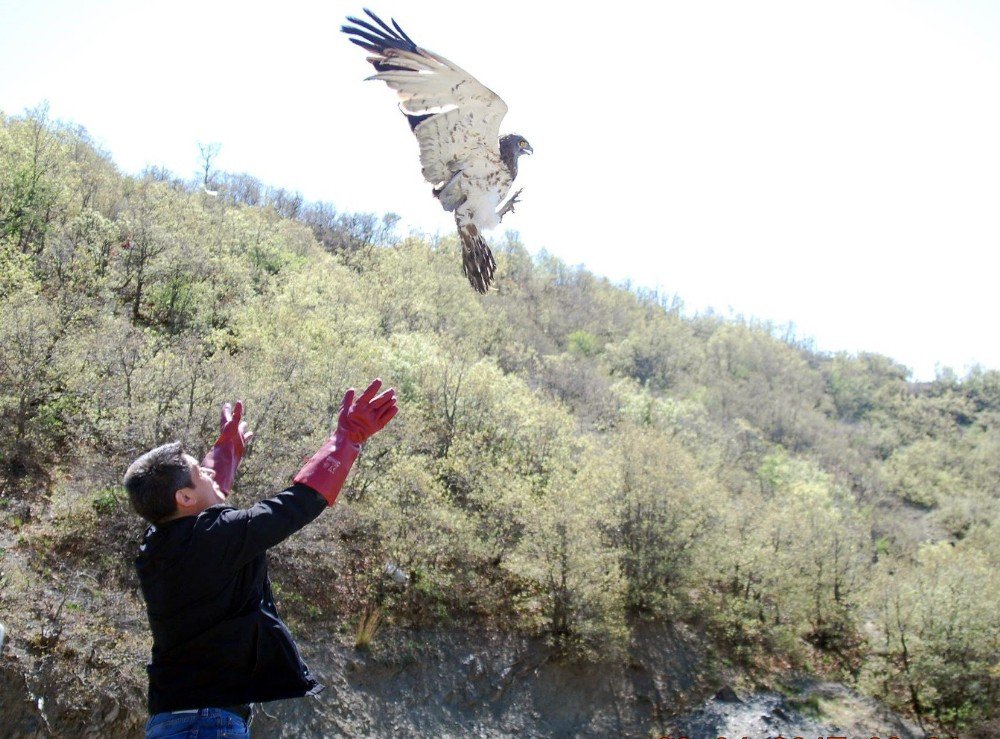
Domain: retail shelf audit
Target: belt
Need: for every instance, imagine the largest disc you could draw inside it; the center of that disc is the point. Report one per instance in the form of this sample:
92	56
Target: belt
243	710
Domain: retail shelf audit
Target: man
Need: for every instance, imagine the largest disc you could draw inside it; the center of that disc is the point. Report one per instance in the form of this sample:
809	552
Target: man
218	642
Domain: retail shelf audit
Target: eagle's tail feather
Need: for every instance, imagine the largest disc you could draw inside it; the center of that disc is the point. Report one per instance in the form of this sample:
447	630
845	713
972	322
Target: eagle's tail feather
477	259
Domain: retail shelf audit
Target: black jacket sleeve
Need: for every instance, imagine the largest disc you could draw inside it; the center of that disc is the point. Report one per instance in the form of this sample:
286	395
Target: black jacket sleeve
244	534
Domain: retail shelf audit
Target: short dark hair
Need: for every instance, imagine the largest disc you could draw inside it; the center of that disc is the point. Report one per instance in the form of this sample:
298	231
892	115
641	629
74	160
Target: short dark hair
153	478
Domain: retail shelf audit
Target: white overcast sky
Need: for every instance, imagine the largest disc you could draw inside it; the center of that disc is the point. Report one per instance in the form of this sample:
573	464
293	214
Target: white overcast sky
831	164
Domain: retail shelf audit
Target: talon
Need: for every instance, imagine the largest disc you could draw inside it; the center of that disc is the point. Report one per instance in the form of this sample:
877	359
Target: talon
509	207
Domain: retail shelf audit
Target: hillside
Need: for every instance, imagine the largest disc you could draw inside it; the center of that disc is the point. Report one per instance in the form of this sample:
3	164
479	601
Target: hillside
575	463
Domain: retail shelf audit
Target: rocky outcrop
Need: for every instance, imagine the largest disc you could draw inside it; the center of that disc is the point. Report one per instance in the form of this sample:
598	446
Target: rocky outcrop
467	683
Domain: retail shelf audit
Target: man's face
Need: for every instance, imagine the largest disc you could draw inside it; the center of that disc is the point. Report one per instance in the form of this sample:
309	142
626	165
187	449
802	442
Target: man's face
204	489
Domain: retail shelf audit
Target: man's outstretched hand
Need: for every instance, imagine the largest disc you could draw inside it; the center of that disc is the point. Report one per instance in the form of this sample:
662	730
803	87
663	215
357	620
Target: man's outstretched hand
229	448
360	419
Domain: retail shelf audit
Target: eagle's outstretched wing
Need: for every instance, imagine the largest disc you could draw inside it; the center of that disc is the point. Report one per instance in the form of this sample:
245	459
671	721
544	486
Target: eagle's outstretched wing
455	118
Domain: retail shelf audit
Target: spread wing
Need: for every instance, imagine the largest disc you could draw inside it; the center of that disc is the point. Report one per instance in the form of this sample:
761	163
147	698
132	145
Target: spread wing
455	118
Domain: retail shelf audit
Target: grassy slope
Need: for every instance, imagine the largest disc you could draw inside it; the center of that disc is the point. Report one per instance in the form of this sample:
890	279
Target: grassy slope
558	438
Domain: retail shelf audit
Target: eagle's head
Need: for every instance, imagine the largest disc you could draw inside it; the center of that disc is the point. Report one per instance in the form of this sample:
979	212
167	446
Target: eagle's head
514	145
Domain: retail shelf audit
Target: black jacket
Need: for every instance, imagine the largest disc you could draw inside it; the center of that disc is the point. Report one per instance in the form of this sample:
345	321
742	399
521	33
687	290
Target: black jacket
217	637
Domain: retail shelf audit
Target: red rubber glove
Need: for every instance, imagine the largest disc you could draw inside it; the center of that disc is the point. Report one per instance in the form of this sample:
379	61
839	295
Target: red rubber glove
357	422
225	455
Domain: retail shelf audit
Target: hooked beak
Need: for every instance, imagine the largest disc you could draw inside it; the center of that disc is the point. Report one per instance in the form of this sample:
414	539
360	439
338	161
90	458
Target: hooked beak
527	150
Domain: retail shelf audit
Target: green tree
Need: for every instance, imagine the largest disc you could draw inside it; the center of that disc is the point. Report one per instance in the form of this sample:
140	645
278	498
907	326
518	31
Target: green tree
796	557
666	511
575	575
938	634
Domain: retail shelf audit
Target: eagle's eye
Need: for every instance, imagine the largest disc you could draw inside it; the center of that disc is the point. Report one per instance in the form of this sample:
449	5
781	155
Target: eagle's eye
522	143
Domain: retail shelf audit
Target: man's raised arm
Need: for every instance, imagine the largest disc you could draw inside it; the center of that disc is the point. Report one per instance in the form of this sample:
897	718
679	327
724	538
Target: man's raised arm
357	422
227	452
274	519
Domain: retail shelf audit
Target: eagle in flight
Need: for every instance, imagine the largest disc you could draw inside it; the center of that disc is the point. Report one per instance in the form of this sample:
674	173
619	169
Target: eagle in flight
456	120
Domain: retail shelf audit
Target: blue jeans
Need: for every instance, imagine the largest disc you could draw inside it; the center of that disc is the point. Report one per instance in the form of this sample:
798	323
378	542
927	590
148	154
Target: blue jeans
205	723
